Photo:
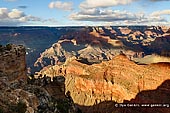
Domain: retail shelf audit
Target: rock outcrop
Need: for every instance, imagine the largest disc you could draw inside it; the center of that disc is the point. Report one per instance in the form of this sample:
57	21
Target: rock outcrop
116	80
13	62
20	94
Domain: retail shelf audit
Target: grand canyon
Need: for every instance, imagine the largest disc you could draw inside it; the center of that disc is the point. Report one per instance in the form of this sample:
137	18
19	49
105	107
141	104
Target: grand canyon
85	69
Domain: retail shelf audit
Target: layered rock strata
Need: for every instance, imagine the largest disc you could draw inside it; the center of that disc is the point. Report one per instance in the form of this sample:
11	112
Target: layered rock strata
116	80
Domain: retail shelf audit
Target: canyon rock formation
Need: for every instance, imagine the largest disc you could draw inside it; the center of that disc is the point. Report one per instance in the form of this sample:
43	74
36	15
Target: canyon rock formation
116	80
88	69
13	62
95	44
99	66
48	45
20	94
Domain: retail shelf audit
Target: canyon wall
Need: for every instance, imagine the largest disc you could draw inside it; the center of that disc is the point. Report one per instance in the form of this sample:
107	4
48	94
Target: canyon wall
116	80
13	62
96	44
22	94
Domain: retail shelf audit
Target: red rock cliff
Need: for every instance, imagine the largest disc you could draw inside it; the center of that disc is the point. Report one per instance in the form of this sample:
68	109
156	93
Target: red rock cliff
118	79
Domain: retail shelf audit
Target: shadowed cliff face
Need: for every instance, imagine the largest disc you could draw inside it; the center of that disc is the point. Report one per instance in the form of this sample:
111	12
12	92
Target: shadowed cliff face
158	99
37	96
116	80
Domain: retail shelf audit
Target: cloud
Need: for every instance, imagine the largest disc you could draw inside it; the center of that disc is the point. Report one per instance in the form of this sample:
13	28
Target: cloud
3	13
147	21
67	6
22	7
15	13
103	3
163	12
29	18
102	15
115	16
15	17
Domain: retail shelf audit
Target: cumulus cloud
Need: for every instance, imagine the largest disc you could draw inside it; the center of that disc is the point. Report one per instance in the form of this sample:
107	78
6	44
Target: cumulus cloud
15	17
115	16
147	21
102	15
15	13
163	12
3	13
67	6
103	3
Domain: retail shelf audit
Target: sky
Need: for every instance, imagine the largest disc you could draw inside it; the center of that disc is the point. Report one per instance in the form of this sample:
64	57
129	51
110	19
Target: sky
84	12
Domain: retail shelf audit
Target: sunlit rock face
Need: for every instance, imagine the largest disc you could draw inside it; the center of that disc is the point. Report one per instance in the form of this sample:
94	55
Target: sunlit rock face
116	80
